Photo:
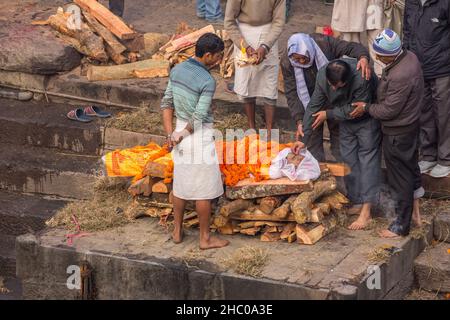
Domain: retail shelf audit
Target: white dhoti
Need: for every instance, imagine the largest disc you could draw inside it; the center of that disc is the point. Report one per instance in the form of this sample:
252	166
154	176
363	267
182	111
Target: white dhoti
257	81
196	174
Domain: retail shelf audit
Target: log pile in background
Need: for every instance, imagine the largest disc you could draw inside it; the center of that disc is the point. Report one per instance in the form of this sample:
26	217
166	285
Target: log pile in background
112	49
305	216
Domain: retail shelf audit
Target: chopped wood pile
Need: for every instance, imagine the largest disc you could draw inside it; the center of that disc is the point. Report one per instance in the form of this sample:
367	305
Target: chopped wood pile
274	210
280	210
112	50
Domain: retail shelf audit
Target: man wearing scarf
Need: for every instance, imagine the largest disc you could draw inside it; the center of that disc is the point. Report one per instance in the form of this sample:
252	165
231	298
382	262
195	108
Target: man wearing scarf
305	56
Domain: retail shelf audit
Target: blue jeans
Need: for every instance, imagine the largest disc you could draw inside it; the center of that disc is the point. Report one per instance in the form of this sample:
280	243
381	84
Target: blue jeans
209	9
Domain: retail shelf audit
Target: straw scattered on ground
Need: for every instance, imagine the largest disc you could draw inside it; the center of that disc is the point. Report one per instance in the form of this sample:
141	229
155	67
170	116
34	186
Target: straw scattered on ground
420	294
108	208
142	121
249	261
381	254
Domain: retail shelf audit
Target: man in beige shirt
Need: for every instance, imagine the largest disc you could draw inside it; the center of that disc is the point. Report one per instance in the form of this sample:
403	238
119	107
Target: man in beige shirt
255	26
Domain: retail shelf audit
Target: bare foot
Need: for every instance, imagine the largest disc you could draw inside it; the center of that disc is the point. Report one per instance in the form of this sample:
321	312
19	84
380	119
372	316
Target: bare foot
362	221
212	243
388	234
354	210
177	236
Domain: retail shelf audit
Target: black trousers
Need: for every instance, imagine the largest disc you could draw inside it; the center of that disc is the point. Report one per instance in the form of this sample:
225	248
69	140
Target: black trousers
316	141
403	174
117	7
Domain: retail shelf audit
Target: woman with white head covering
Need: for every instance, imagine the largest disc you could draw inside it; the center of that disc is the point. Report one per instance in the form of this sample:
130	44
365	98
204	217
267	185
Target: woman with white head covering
305	55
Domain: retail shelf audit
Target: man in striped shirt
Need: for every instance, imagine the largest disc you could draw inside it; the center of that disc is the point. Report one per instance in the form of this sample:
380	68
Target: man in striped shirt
196	174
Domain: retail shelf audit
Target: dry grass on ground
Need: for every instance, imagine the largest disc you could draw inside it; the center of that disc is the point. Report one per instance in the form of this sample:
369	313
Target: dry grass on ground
249	261
107	209
420	294
142	121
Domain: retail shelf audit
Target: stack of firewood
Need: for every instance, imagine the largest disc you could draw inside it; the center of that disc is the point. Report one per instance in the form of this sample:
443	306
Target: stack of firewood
281	210
111	48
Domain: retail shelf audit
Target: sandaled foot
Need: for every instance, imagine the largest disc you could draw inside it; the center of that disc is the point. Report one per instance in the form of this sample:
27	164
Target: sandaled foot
213	243
388	234
177	236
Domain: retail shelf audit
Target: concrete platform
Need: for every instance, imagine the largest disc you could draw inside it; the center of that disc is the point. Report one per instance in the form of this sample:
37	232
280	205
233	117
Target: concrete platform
42	171
139	261
432	269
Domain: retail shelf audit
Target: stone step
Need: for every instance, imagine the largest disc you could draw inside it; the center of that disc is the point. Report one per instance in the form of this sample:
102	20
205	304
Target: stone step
442	227
44	171
432	269
44	124
7	256
20	213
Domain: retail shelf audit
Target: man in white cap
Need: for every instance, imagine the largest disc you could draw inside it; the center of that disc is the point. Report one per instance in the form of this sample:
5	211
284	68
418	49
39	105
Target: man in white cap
400	94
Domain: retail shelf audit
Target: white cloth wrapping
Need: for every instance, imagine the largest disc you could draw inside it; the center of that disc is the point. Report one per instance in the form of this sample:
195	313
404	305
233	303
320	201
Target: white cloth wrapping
261	80
196	174
308	169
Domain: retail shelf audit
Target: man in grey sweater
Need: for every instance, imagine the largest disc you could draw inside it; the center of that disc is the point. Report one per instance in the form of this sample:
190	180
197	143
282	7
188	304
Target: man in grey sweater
400	94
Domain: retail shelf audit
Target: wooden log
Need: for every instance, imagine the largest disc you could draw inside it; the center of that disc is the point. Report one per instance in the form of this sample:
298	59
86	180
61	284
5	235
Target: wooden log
287	231
220	221
89	43
226	229
135	45
269	223
302	206
246	225
191	223
191	38
335	200
292	237
115	46
250	231
260	216
270	229
107	18
142	186
325	208
248	189
312	233
161	187
268	204
146	68
283	211
270	236
117	58
234	206
316	215
152	42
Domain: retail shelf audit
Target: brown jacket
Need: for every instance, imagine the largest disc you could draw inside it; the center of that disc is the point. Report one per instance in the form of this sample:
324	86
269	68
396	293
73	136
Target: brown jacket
400	93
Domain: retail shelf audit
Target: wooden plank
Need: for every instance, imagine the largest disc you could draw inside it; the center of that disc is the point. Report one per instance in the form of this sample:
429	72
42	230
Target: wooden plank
260	216
336	169
270	236
145	68
189	39
287	230
107	18
161	187
250	231
115	46
248	189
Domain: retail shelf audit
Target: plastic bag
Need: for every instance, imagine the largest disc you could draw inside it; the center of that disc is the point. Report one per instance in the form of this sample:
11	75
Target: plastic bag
308	169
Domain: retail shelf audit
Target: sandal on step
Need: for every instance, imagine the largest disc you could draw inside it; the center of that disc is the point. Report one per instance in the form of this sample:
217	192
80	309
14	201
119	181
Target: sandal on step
93	111
78	115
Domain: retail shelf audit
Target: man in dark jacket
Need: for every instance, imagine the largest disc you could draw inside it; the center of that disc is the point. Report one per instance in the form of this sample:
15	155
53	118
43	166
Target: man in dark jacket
305	55
400	95
427	34
339	84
